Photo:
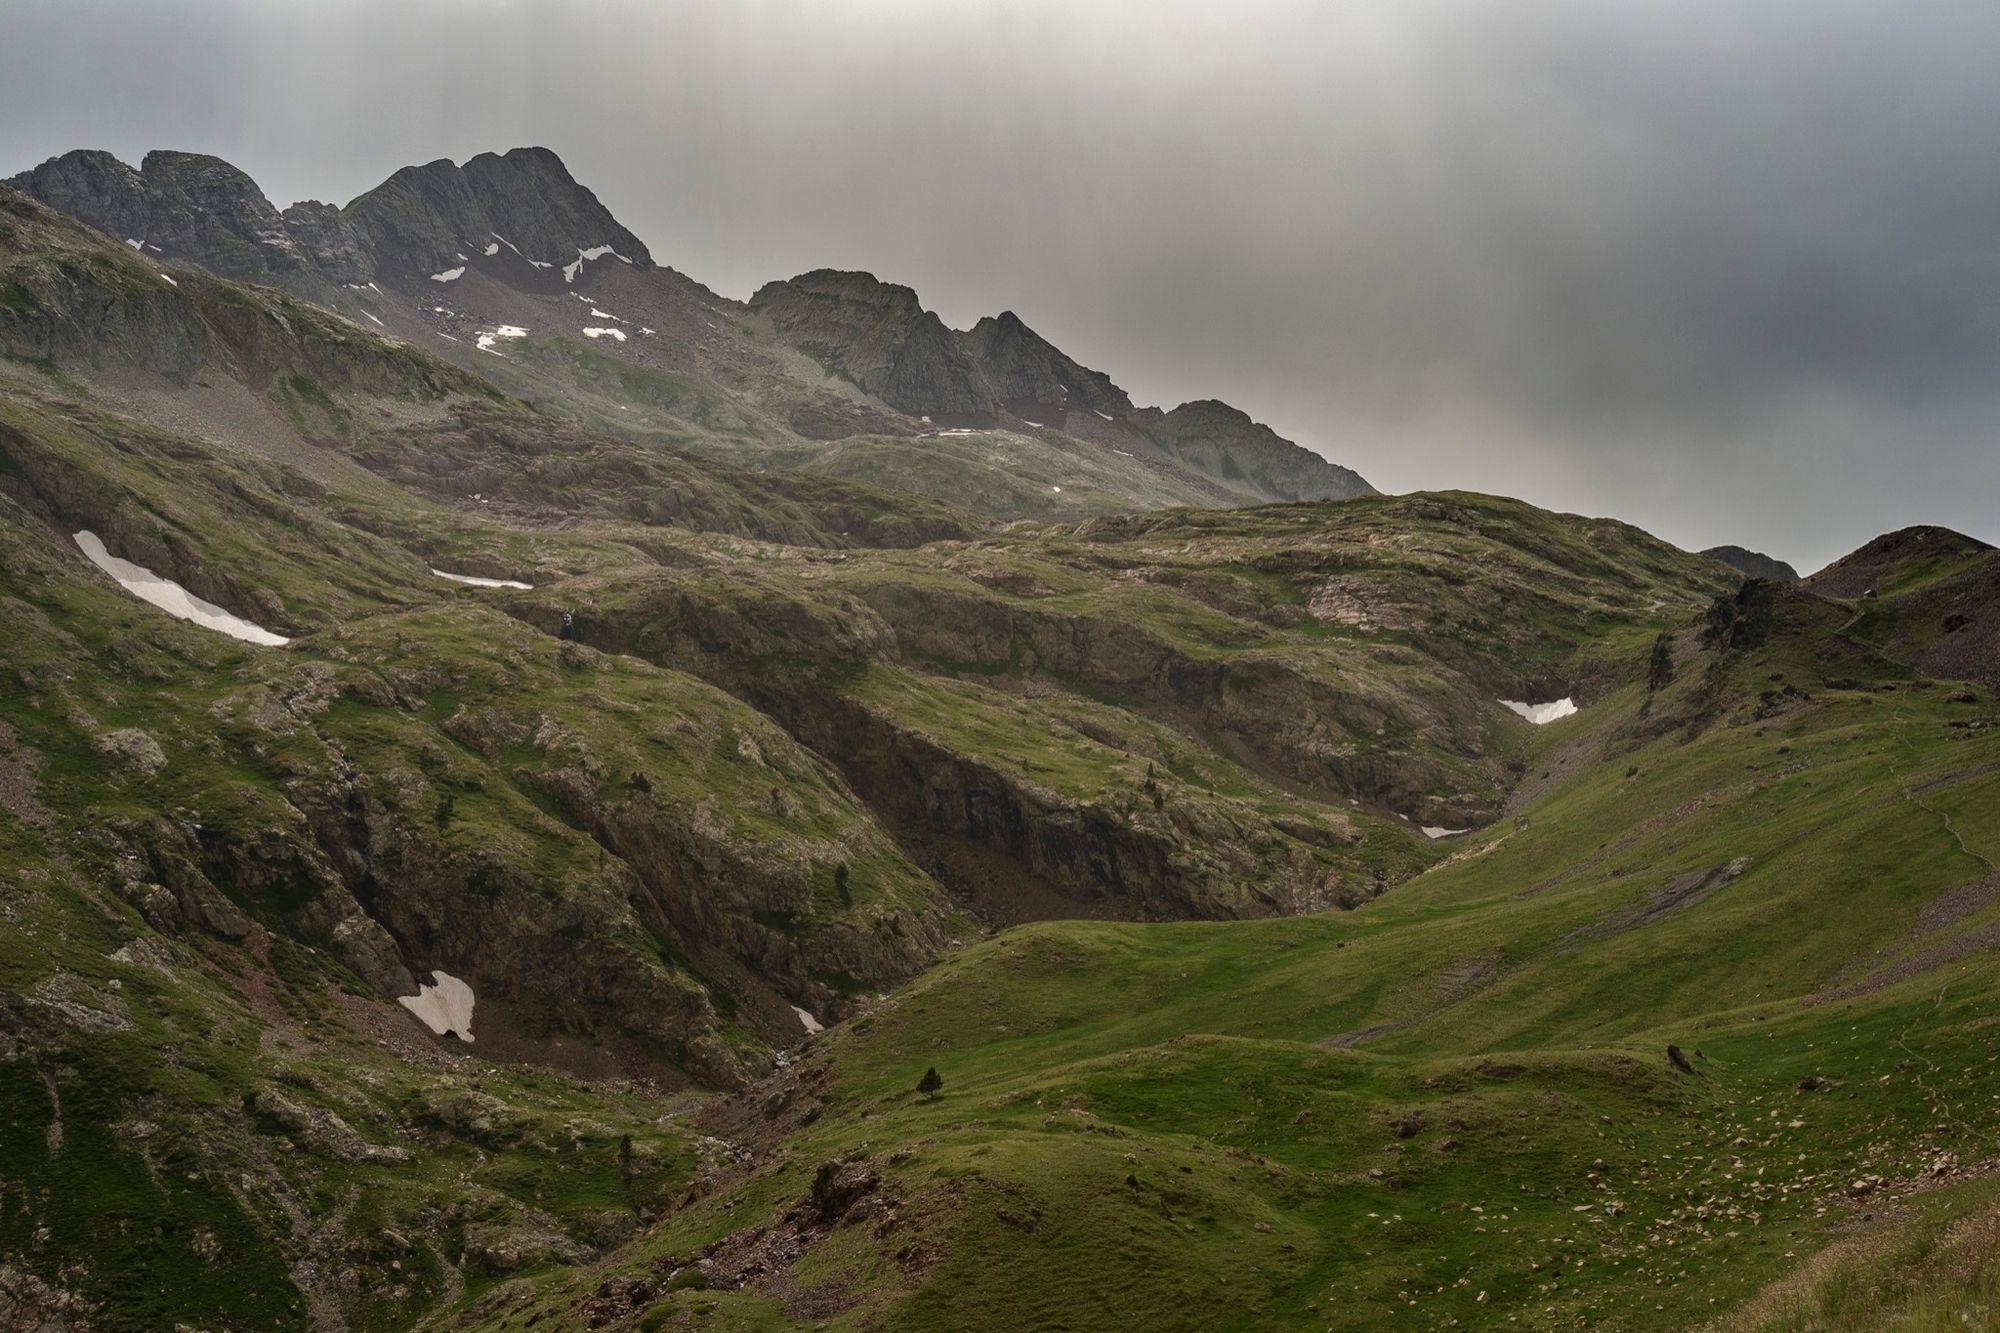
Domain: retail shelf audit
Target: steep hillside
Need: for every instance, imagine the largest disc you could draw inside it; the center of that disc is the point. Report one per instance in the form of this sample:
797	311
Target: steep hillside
1713	1006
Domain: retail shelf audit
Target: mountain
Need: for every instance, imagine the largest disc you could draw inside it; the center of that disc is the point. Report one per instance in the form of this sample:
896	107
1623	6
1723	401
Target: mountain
471	860
1753	564
515	271
422	220
190	208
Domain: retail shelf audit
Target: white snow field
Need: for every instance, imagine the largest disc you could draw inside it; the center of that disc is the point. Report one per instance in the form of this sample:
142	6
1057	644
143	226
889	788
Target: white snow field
171	597
478	582
1542	714
445	1007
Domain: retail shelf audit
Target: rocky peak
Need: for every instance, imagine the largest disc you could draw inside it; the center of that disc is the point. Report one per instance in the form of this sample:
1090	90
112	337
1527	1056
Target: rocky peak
429	219
94	187
1223	442
1022	366
209	212
879	336
330	241
188	207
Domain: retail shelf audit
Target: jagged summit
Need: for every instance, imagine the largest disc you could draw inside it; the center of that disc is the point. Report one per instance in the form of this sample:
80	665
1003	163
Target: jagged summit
190	207
198	209
879	336
1223	441
531	237
1024	367
428	219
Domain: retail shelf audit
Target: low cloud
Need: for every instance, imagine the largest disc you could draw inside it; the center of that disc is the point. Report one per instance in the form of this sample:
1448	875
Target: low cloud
1729	270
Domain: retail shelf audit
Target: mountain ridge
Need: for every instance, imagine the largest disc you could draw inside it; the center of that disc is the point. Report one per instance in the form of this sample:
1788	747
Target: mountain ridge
522	222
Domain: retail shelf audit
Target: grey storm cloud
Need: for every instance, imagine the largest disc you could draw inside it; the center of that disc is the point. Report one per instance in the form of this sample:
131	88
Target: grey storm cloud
1727	270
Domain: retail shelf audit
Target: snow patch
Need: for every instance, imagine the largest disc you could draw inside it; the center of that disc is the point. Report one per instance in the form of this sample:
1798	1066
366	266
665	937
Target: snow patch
643	330
449	275
1542	714
486	340
169	281
478	582
443	1008
1056	489
1432	831
1106	415
619	334
171	597
807	1021
373	317
492	249
136	245
575	266
1036	424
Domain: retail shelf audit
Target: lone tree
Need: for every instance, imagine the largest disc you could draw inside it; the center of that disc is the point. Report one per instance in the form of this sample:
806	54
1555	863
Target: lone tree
930	1083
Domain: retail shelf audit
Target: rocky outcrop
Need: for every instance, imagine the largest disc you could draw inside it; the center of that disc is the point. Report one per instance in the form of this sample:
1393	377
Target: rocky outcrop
1024	368
1219	441
64	299
207	212
186	207
1753	564
876	335
331	242
195	209
94	187
437	217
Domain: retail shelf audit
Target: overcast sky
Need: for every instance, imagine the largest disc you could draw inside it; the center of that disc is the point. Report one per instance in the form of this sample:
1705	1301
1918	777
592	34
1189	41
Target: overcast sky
1729	269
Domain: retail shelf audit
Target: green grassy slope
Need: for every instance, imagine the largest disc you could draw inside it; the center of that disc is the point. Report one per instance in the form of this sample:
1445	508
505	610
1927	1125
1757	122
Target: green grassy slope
1209	1125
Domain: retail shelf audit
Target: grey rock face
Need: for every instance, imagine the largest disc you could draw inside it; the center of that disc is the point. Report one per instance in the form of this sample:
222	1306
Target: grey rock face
93	314
330	242
186	207
1220	441
197	209
1022	366
877	335
209	213
94	187
422	219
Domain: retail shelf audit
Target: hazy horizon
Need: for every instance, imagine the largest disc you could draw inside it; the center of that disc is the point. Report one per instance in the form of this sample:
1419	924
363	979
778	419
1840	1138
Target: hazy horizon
1728	272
